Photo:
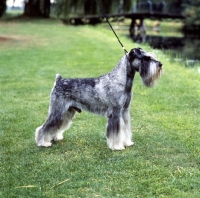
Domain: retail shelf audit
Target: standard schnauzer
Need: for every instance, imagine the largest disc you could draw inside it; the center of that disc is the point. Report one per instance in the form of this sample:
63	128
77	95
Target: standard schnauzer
108	95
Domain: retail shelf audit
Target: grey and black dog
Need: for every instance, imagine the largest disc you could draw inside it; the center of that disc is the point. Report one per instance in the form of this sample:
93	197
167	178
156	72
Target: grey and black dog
108	95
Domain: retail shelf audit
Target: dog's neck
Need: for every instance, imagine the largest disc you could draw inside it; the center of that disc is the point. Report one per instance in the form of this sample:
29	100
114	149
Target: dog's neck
130	74
126	75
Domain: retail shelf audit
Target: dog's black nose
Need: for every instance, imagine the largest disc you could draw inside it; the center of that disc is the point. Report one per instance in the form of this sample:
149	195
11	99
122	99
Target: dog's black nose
160	64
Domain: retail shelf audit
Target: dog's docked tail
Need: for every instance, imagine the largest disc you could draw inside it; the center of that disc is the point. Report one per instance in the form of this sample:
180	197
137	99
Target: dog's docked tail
58	77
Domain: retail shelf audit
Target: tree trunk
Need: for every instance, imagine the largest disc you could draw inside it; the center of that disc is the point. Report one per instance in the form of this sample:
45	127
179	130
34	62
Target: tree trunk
37	8
89	7
46	8
2	7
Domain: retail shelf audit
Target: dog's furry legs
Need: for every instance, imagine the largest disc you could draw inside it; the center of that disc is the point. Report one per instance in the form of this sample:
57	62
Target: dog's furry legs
67	120
127	128
119	130
115	134
54	127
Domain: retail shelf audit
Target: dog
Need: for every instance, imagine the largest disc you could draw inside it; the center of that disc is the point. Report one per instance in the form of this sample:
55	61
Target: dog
108	95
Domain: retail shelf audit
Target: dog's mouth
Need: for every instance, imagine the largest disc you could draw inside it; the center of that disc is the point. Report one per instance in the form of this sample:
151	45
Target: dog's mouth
151	81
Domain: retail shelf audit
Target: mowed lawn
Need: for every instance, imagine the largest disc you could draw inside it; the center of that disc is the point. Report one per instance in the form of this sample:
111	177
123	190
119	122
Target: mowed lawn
165	161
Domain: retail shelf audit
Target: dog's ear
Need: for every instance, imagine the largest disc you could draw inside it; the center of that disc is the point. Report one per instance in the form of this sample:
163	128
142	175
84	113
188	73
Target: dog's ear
131	55
136	53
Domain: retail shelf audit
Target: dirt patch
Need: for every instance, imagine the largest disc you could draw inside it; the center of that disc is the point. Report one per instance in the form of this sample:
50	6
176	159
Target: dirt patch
5	39
25	41
14	39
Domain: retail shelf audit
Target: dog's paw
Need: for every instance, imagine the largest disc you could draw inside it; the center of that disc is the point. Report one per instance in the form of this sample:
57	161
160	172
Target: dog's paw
128	143
45	144
58	138
117	148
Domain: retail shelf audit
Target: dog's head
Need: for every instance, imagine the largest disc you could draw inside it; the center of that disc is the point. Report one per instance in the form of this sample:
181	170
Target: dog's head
146	64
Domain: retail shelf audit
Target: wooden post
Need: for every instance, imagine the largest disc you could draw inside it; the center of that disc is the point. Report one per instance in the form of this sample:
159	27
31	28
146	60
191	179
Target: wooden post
132	28
142	30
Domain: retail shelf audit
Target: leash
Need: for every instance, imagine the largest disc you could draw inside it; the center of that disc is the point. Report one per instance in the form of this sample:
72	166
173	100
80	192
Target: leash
104	15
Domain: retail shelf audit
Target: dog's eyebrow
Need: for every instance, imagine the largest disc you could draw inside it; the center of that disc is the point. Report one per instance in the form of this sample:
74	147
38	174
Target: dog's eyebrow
77	109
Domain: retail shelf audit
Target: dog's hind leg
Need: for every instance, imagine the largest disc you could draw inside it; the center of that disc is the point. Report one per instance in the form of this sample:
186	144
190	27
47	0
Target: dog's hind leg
56	123
67	120
46	133
115	135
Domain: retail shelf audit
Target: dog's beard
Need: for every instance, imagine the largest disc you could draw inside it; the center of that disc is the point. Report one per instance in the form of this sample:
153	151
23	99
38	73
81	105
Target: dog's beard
149	73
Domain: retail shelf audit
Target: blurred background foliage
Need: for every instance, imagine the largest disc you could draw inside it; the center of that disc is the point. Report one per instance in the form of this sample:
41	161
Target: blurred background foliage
89	7
192	14
66	8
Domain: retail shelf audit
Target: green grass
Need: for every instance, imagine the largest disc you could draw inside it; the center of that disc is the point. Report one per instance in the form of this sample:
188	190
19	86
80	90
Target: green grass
165	161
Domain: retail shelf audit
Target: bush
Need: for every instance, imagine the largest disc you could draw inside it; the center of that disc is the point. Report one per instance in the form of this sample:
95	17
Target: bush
192	14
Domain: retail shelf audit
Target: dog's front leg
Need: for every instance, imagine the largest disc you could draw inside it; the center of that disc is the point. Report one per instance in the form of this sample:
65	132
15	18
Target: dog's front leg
115	135
127	128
